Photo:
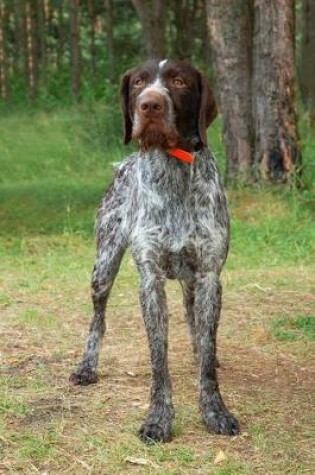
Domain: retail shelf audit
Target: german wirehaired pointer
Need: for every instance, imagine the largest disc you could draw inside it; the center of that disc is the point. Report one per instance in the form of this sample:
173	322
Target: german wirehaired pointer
167	204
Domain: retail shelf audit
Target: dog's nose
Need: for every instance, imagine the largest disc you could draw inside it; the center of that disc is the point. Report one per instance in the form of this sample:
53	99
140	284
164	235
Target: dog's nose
151	105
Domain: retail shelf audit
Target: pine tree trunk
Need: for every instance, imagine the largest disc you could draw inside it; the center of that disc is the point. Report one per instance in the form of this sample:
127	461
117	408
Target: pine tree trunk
34	51
276	148
29	51
92	36
75	49
19	37
152	18
110	38
61	36
206	52
3	54
307	73
41	39
184	21
230	28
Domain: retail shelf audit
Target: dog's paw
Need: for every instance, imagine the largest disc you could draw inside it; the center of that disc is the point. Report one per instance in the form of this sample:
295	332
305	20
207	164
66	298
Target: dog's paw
150	433
222	422
217	418
83	377
157	426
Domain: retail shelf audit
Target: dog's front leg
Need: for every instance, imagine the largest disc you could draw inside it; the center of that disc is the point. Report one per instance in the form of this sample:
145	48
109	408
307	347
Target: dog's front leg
110	253
207	312
158	422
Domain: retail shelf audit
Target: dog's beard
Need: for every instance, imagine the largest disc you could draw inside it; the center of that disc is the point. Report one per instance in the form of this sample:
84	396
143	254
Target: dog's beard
152	135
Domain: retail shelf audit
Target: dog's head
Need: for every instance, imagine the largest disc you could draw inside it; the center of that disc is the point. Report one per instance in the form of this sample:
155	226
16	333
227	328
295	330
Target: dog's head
166	104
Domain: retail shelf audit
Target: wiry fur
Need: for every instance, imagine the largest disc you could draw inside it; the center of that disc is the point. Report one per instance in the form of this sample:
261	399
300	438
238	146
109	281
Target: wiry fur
173	216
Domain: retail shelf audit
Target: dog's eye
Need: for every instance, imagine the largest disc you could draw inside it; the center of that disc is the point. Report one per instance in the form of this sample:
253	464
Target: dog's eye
139	82
178	81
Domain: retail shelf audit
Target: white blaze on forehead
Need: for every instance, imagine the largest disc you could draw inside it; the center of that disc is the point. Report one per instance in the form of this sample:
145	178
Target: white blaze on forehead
157	84
161	63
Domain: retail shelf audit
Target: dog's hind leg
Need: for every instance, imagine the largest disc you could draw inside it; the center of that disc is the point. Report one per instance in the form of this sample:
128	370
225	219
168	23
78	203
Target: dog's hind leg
207	310
107	264
189	313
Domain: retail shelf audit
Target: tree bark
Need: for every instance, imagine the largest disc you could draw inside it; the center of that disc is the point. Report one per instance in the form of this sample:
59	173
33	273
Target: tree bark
61	36
75	49
34	50
29	50
253	49
110	38
152	18
184	21
230	25
307	73
18	38
277	142
205	52
3	53
41	38
91	14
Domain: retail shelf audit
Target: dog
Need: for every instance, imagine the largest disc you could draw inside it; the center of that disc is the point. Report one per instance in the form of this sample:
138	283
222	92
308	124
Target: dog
167	205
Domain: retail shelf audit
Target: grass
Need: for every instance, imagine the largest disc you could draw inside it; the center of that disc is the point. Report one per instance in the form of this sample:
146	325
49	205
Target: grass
292	329
54	168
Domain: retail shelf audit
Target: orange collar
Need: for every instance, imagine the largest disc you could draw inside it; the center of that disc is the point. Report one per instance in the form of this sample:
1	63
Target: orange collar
181	154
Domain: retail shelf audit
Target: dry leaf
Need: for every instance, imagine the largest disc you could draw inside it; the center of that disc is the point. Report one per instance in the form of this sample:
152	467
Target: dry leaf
220	457
137	461
140	461
131	373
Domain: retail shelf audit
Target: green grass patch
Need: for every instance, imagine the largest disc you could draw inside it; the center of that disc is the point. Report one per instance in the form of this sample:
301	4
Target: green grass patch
8	405
35	447
294	328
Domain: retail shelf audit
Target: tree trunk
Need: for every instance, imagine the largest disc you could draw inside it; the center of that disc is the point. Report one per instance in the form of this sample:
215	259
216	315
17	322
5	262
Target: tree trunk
276	148
110	38
19	37
152	18
254	66
205	36
307	73
3	54
184	21
230	25
34	52
41	38
29	51
75	49
61	36
91	13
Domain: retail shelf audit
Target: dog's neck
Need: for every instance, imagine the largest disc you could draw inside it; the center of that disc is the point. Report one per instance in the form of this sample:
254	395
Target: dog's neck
182	151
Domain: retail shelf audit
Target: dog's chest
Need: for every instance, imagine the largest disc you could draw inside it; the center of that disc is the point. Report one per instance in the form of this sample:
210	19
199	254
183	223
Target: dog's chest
174	203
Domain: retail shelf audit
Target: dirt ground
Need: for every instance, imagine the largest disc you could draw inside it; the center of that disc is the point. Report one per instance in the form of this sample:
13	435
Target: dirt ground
49	427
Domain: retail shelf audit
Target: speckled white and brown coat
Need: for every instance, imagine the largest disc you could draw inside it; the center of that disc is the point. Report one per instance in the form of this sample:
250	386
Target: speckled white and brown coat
173	217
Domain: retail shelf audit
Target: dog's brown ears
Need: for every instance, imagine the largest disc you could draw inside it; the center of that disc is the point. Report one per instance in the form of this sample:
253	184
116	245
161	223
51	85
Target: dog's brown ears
125	106
207	109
